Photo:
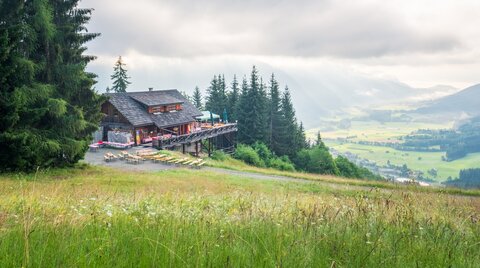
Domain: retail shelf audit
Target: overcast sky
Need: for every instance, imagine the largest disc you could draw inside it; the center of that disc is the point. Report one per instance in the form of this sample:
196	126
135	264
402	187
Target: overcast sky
180	43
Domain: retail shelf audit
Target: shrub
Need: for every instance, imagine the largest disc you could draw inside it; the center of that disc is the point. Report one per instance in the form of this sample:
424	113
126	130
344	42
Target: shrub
219	155
350	170
346	168
280	164
263	152
316	160
248	155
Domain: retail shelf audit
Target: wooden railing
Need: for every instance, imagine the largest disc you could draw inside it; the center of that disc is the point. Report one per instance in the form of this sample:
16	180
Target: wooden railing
194	137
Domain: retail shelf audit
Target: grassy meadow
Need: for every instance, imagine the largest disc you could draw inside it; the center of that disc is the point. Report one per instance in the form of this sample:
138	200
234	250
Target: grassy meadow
422	161
375	131
390	132
92	216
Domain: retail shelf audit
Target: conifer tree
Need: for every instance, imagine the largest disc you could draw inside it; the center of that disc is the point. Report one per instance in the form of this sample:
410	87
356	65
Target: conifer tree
289	125
197	98
216	99
301	139
233	97
275	126
319	141
120	77
52	109
186	96
223	97
244	114
213	96
257	104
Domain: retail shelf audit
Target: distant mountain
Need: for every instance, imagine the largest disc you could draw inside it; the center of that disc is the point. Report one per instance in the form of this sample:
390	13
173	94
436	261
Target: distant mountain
465	102
331	94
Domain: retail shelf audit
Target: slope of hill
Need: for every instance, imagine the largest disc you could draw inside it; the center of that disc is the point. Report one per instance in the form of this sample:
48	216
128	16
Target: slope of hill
466	101
180	218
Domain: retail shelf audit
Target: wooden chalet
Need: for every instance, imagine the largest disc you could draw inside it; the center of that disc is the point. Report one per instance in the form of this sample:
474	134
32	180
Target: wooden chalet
164	118
149	114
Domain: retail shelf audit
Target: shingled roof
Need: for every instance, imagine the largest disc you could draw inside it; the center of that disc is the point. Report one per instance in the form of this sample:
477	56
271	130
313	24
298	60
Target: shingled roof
155	98
133	106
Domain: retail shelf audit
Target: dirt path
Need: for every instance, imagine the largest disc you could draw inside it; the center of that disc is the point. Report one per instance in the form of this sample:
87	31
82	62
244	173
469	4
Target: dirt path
96	159
257	176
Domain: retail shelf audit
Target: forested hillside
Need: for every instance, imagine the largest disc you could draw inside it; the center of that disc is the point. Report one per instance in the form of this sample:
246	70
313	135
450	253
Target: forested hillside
468	178
457	143
269	132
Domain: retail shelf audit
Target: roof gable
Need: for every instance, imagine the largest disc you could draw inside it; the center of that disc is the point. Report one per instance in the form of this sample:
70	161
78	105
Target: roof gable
156	98
136	113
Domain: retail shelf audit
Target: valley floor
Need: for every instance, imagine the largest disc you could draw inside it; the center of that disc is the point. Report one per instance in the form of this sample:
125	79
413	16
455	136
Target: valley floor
373	131
422	161
99	216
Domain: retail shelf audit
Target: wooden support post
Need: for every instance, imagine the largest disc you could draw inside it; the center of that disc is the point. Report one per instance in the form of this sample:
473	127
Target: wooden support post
183	148
209	147
196	148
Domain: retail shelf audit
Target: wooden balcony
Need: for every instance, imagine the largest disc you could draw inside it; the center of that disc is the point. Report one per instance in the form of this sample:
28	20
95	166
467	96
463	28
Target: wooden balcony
194	137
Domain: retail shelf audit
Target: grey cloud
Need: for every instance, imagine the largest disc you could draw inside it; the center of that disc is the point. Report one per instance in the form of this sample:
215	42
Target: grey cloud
184	28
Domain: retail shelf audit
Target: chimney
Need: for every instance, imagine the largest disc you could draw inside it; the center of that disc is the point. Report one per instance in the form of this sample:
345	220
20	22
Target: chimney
150	89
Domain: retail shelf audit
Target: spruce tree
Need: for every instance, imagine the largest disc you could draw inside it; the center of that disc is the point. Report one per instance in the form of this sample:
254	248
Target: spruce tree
244	114
275	126
120	77
319	141
197	98
216	99
213	96
15	70
233	97
257	104
223	97
52	108
289	126
301	139
186	96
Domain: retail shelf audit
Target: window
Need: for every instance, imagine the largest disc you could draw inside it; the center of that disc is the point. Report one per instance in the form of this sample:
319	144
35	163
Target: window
164	109
171	108
157	109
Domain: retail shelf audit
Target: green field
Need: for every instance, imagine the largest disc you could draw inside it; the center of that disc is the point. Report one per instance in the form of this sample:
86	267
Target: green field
100	217
375	131
422	161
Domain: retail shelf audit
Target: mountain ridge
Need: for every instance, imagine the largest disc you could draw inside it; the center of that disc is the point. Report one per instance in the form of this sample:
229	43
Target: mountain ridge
466	101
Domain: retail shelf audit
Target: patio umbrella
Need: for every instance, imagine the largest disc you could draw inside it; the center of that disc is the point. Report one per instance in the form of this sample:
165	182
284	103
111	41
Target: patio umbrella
205	117
225	116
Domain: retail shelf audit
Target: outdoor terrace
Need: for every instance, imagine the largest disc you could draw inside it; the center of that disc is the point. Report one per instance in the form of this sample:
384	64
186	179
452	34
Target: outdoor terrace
205	133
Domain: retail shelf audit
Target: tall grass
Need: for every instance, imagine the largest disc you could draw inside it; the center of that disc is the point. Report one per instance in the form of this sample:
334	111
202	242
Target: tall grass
237	165
100	217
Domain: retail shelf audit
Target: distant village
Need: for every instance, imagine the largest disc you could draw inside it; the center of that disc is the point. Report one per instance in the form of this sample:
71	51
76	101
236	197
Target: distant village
399	174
